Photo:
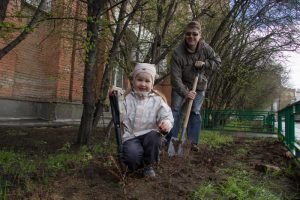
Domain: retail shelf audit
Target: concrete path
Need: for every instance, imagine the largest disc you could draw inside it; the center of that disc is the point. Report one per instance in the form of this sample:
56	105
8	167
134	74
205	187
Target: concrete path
250	134
44	123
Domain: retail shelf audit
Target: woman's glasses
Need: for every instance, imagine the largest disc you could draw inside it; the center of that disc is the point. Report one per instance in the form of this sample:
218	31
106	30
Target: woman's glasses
191	33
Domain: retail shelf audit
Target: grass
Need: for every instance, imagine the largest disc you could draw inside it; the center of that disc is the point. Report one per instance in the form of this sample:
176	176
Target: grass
3	190
15	165
66	160
203	192
17	169
238	185
214	139
242	151
245	126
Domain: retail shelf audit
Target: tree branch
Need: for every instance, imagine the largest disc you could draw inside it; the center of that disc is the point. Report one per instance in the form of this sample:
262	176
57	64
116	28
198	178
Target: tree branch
31	25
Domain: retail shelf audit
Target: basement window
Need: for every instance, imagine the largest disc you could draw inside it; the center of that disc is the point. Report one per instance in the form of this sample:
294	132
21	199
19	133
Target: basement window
35	3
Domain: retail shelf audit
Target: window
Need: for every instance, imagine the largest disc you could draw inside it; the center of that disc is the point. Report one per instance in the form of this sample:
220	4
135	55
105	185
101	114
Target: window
118	78
46	7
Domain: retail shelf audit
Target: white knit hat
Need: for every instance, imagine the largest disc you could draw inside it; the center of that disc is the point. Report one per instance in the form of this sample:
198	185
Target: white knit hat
146	68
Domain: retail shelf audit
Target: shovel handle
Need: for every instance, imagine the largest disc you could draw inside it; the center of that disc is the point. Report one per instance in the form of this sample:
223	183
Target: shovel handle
115	110
190	103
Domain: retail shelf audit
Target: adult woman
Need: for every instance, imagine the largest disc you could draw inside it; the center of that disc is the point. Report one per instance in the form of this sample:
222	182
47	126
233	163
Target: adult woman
191	56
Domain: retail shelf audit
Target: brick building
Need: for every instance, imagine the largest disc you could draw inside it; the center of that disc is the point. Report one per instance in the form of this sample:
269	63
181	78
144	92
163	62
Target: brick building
42	77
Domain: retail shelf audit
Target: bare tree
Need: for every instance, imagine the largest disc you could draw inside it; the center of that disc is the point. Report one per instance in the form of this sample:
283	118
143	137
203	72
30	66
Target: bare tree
29	28
240	38
92	108
94	9
127	17
250	36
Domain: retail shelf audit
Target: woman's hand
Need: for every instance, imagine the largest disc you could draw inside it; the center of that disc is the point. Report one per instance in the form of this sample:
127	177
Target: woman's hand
191	95
199	64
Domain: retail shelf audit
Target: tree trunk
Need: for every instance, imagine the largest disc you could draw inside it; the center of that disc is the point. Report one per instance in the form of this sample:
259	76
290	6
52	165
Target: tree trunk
86	124
3	8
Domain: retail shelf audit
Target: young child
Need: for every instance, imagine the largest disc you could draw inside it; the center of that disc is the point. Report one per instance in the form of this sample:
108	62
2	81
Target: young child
146	114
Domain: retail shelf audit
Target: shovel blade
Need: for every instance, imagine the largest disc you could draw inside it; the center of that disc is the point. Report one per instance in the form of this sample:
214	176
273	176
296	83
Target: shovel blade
177	146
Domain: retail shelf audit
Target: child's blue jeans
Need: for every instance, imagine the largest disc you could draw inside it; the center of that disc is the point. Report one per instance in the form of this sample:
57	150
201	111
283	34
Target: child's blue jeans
142	150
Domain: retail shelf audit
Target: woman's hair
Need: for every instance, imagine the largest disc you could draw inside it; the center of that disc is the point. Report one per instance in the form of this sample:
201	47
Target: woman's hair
193	24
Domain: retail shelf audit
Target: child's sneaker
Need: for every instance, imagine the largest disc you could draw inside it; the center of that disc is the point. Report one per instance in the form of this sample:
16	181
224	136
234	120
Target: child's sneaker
149	172
195	148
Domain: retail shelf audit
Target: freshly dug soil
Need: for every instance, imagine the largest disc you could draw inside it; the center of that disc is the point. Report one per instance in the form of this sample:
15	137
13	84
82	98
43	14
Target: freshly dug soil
177	178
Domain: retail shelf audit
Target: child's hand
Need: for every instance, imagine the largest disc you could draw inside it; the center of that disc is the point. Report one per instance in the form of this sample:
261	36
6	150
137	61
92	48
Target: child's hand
164	126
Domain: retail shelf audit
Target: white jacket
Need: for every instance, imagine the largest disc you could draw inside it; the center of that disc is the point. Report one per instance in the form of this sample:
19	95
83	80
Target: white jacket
141	116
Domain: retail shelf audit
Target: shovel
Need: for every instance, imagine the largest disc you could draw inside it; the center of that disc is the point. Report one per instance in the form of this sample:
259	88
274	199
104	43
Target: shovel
177	146
113	98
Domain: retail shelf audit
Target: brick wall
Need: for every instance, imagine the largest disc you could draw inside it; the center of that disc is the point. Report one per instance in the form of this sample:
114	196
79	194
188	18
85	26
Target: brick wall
166	88
39	68
71	59
7	74
48	66
8	63
36	67
29	70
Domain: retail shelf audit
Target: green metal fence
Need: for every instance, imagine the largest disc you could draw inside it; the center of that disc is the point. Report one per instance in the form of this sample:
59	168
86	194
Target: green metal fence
239	120
286	127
